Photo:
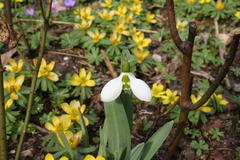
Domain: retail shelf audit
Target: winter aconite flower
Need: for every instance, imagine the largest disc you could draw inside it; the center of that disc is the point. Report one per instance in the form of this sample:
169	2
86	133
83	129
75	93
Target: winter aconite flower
203	108
158	90
90	157
115	38
136	8
237	14
140	54
107	3
121	27
13	85
96	36
170	97
121	10
104	14
219	99
150	18
84	25
72	139
59	124
49	156
74	109
45	70
82	79
1	5
86	14
141	42
14	66
18	1
114	87
219	5
181	25
191	2
204	1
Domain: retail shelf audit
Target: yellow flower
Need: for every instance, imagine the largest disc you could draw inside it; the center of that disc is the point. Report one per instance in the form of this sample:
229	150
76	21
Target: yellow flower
84	13
191	2
237	14
129	18
90	157
219	99
74	109
150	18
84	25
170	97
18	1
59	124
120	27
219	5
158	90
134	32
13	85
14	66
204	1
115	38
137	2
181	25
107	3
82	79
140	54
141	41
1	5
203	108
96	36
73	139
8	104
121	11
106	15
45	70
136	8
49	156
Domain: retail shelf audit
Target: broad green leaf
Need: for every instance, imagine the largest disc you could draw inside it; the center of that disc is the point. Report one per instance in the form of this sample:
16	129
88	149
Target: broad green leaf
126	98
136	152
103	140
118	130
155	141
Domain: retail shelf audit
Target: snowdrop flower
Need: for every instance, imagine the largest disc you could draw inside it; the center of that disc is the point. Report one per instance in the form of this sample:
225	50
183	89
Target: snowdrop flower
126	81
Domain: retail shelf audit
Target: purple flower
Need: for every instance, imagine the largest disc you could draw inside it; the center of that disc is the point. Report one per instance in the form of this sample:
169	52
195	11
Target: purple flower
29	11
56	6
69	3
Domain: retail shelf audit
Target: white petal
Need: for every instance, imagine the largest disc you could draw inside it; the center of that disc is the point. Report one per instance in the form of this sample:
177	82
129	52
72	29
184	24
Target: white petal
140	89
112	89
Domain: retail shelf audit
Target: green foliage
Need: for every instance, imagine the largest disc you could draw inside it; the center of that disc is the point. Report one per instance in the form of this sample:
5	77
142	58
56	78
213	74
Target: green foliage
195	133
216	134
199	146
71	40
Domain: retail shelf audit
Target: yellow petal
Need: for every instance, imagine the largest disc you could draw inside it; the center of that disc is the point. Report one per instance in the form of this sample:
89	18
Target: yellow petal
19	82
223	102
66	122
44	63
83	108
100	158
12	62
89	157
75	103
64	158
82	73
56	121
49	156
90	83
86	121
50	127
50	66
66	108
75	83
8	104
53	76
14	96
205	109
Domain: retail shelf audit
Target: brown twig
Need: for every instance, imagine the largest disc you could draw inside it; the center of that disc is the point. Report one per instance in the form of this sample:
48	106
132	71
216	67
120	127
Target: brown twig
108	64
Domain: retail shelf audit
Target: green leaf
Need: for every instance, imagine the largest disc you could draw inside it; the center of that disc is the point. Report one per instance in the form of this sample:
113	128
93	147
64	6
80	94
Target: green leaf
155	141
118	131
126	98
136	152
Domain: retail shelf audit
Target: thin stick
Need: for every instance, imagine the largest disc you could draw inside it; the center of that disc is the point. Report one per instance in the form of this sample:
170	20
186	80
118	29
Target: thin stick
46	17
3	139
108	64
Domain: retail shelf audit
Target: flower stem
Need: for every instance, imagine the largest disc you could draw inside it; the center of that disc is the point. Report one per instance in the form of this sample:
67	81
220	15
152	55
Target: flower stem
3	139
85	132
46	17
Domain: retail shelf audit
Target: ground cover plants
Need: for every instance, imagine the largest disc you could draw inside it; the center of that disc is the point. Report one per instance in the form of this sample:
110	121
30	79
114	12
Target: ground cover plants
119	80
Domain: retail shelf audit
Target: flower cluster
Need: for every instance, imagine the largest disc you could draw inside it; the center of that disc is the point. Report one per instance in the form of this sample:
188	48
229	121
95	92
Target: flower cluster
122	19
63	123
167	96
